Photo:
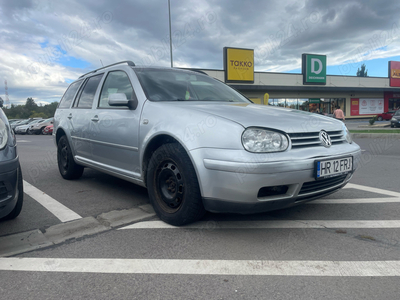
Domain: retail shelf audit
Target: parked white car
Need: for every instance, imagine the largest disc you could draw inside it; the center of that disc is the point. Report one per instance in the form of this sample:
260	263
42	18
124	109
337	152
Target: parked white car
24	129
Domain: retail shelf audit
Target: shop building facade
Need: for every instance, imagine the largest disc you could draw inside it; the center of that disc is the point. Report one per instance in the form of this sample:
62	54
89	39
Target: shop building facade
312	90
287	90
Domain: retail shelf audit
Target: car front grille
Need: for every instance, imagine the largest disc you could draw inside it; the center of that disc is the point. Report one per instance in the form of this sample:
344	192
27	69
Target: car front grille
311	139
3	191
322	184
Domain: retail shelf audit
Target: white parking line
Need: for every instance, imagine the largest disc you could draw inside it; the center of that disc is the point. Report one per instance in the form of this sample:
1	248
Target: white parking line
63	213
371	189
23	141
282	224
355	201
204	267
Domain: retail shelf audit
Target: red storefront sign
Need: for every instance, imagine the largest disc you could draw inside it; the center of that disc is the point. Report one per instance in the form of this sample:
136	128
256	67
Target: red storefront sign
394	73
355	107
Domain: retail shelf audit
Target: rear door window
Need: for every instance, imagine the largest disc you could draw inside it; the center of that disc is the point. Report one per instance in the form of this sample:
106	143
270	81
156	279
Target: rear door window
88	92
66	100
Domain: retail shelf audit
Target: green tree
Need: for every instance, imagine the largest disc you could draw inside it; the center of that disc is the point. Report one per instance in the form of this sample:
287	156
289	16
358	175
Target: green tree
362	72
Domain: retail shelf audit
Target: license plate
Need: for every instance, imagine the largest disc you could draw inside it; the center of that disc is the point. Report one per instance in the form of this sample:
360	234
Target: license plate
333	167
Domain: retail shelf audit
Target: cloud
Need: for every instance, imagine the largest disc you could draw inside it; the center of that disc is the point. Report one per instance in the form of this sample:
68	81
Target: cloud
46	44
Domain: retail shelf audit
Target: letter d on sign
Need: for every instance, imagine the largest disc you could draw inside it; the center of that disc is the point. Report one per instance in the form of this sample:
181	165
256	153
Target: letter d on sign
319	62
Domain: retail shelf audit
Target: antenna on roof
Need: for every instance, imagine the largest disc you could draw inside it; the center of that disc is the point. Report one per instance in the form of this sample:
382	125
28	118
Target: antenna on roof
101	63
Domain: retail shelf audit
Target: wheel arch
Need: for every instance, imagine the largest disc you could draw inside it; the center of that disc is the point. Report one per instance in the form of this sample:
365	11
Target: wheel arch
59	134
154	144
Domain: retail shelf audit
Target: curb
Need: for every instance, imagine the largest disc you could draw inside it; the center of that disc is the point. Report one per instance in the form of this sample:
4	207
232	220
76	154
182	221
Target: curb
19	243
393	136
374	126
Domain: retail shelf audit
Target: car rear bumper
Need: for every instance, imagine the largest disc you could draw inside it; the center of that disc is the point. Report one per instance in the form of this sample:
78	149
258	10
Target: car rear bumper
8	186
249	187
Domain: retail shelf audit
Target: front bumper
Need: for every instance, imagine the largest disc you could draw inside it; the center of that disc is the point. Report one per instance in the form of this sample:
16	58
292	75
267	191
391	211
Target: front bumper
21	130
8	186
395	123
231	180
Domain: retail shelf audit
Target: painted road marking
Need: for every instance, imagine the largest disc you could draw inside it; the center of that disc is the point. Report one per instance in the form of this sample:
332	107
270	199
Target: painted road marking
372	190
204	267
281	224
23	141
63	213
355	201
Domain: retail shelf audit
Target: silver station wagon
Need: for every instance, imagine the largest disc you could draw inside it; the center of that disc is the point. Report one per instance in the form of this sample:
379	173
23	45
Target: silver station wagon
197	144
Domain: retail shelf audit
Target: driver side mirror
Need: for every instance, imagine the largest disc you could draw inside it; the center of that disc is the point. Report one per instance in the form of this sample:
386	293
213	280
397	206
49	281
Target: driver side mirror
119	99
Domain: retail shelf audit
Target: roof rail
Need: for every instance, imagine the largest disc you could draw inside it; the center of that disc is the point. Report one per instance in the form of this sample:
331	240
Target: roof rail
130	63
194	70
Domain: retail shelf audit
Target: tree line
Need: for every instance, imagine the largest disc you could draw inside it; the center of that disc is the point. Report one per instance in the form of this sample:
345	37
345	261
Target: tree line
30	110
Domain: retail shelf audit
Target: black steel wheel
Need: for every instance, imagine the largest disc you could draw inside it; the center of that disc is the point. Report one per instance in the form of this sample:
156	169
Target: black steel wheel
68	168
173	186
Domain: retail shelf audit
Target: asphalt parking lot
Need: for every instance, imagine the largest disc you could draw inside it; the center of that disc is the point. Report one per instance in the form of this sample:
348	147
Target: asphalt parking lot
345	245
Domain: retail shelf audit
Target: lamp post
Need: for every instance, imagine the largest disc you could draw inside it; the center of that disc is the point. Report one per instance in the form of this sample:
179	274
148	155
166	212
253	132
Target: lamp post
170	34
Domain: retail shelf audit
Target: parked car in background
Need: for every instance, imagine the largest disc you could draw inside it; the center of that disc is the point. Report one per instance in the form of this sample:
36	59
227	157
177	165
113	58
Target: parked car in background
48	129
38	128
11	188
24	122
395	120
197	144
24	129
385	116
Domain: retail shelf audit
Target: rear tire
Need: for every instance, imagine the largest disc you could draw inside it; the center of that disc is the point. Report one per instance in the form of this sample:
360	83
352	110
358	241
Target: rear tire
68	168
18	207
380	118
173	186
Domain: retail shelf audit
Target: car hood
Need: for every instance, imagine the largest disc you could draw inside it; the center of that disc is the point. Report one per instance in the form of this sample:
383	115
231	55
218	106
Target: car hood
253	115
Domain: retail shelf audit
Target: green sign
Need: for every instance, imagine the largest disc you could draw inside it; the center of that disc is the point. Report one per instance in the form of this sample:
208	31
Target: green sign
314	100
314	69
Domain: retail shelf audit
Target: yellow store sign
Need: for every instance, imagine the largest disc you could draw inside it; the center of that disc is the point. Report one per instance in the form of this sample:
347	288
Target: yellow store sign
395	73
239	65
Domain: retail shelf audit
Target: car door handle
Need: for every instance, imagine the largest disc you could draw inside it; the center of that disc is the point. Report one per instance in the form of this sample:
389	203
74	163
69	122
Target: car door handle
95	119
69	116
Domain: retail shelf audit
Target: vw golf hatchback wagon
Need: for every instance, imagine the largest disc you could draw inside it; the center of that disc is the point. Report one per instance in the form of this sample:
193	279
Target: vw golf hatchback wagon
197	144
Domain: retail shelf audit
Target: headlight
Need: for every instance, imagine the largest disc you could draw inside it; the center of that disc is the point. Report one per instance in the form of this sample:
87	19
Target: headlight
3	135
262	140
347	134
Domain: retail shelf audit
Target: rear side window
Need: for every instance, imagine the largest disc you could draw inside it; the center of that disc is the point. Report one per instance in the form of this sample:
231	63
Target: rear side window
87	95
69	95
116	82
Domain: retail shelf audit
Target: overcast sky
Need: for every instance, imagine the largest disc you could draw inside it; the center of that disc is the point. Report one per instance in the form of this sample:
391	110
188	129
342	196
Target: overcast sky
45	45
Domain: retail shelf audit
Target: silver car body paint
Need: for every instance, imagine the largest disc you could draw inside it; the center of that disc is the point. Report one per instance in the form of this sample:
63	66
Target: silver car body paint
115	140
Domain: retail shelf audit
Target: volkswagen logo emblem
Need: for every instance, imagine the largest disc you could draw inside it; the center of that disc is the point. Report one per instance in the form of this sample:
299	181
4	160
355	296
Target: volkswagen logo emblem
325	138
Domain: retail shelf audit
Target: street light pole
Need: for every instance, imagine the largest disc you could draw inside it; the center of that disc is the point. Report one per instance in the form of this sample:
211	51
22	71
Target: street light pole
170	35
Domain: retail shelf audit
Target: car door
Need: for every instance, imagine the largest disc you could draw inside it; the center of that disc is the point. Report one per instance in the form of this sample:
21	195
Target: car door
114	129
80	117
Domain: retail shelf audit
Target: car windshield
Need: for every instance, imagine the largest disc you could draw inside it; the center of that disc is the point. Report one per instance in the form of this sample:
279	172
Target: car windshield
397	113
179	85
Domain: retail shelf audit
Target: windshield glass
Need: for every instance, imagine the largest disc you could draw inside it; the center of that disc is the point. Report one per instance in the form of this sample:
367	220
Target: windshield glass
397	113
179	85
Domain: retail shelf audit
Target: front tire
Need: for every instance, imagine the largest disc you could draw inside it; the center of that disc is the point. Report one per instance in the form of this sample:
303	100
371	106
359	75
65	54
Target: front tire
68	168
380	118
173	186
